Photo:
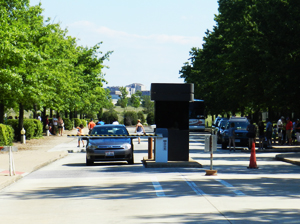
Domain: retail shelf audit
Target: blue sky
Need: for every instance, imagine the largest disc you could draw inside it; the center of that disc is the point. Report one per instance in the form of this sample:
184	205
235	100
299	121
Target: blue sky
151	39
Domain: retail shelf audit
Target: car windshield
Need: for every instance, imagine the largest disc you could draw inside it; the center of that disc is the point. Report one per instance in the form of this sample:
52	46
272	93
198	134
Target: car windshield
242	125
223	123
109	130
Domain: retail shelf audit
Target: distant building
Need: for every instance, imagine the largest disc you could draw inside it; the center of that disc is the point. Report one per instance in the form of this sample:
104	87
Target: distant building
131	89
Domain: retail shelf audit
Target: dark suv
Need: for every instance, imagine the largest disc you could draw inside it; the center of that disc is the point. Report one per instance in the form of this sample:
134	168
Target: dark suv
240	124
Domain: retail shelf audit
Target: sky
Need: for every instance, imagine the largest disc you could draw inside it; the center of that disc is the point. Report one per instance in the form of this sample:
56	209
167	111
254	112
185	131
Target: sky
150	39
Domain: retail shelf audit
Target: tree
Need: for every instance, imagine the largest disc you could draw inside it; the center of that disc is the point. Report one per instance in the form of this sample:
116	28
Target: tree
123	101
249	59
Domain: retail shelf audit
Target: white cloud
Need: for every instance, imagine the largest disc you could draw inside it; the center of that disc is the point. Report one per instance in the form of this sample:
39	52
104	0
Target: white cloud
116	34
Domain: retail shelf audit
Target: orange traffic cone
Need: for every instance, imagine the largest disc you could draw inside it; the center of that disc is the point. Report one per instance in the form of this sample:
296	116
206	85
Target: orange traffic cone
252	164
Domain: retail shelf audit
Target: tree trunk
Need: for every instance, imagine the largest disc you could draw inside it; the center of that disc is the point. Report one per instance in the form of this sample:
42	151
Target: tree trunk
51	113
34	111
1	113
21	121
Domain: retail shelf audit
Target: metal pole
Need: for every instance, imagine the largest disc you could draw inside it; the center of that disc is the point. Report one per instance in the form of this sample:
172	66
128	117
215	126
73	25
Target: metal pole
211	153
150	148
11	163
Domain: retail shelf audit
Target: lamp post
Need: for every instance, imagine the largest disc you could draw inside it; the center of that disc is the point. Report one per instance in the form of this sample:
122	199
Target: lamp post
23	137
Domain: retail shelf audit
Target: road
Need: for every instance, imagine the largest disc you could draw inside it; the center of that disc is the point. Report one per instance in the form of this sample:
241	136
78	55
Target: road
67	191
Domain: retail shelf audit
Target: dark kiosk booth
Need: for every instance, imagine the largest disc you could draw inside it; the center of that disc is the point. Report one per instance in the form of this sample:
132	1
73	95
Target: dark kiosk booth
172	112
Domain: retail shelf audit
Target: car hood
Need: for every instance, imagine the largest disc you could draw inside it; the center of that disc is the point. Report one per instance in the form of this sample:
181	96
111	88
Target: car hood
109	141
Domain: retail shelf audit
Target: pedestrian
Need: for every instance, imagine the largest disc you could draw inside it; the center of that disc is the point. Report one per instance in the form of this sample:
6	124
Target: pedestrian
279	129
297	130
274	133
115	122
54	125
139	129
231	135
289	129
261	134
60	123
100	122
251	133
80	132
39	117
283	138
91	125
269	129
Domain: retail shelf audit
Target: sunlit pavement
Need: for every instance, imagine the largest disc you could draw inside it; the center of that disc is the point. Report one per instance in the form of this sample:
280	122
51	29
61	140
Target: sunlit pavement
67	191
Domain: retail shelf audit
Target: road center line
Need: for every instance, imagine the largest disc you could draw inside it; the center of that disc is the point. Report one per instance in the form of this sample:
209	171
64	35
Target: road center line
158	189
232	188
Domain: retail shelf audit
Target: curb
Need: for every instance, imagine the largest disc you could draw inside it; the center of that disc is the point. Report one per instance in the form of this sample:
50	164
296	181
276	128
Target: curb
13	179
281	157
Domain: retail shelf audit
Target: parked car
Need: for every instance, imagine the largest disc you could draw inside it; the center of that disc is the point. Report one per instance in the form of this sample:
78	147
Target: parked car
220	129
109	148
241	138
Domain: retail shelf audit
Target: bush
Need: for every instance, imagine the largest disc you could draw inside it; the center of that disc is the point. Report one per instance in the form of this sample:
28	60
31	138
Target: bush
6	135
15	126
140	115
33	128
38	128
83	122
69	125
150	118
30	128
130	118
110	116
77	122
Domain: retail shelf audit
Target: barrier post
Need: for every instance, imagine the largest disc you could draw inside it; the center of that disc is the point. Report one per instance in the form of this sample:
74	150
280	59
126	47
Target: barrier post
211	172
11	163
150	148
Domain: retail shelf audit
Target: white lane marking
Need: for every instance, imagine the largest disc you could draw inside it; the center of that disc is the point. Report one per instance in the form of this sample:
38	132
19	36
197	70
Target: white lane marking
158	189
195	188
232	188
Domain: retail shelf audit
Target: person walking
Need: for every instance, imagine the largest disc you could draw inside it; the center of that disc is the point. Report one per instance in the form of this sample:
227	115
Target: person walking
54	125
251	133
269	129
91	125
139	129
80	132
279	129
60	124
289	129
231	135
297	130
261	134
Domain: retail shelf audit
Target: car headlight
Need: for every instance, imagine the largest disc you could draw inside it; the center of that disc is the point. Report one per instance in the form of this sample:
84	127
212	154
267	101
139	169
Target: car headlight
92	147
127	146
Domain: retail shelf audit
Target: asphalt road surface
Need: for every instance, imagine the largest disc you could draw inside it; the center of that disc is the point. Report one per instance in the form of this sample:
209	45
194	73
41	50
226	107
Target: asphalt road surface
68	191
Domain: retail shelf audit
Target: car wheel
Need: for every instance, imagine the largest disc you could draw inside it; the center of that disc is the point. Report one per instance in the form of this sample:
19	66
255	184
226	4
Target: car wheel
89	162
131	161
224	146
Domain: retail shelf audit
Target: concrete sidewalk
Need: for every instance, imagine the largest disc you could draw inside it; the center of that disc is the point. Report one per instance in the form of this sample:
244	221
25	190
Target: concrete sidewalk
27	161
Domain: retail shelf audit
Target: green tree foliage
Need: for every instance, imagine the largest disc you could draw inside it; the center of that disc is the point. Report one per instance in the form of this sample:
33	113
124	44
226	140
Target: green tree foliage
130	118
41	65
147	104
123	101
250	59
136	99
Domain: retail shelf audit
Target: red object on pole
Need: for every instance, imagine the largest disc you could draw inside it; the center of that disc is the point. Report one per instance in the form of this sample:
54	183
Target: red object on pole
150	148
252	164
